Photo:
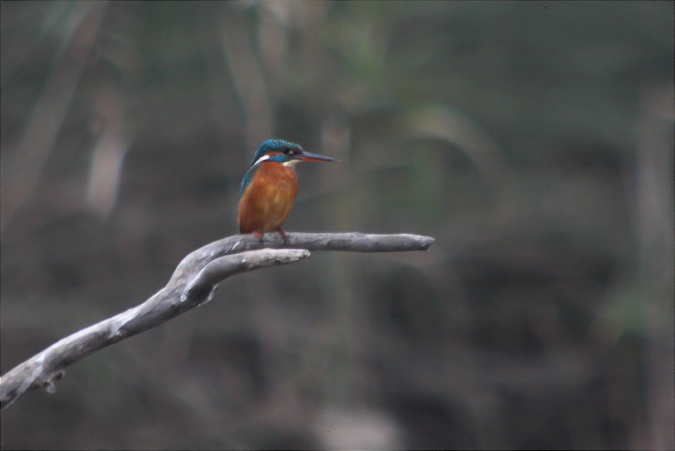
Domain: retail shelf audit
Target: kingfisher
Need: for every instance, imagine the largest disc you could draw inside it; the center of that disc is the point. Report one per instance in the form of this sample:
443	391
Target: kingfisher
269	187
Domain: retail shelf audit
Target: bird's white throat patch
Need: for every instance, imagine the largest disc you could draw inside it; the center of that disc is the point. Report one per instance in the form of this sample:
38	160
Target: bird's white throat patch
292	163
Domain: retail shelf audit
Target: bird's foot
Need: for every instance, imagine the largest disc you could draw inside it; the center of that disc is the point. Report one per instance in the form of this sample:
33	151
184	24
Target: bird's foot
283	234
258	235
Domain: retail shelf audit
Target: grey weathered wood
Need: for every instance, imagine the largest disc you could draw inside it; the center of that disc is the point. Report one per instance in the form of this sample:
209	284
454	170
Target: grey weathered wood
193	283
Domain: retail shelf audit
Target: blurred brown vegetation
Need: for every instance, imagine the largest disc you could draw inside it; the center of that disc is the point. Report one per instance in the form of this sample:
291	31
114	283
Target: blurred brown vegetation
533	140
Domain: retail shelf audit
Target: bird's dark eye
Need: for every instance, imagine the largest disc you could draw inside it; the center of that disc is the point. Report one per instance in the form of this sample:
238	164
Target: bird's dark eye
290	151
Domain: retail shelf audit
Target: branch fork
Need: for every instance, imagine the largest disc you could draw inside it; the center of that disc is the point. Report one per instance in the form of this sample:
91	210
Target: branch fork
193	283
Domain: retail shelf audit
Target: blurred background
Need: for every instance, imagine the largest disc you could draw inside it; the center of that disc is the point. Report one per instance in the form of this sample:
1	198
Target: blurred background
533	140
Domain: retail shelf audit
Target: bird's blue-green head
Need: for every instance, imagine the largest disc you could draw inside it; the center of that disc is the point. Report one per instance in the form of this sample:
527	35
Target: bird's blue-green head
273	148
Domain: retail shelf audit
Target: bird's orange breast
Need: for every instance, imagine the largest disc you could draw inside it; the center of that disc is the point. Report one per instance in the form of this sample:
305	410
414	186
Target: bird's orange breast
268	199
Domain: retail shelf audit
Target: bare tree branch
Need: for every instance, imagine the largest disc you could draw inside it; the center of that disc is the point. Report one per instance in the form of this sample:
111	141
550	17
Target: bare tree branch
193	283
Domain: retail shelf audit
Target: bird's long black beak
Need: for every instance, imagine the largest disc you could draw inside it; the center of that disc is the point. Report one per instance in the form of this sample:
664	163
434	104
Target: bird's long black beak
307	156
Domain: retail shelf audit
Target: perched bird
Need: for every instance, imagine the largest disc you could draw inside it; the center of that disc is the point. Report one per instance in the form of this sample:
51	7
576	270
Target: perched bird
270	186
